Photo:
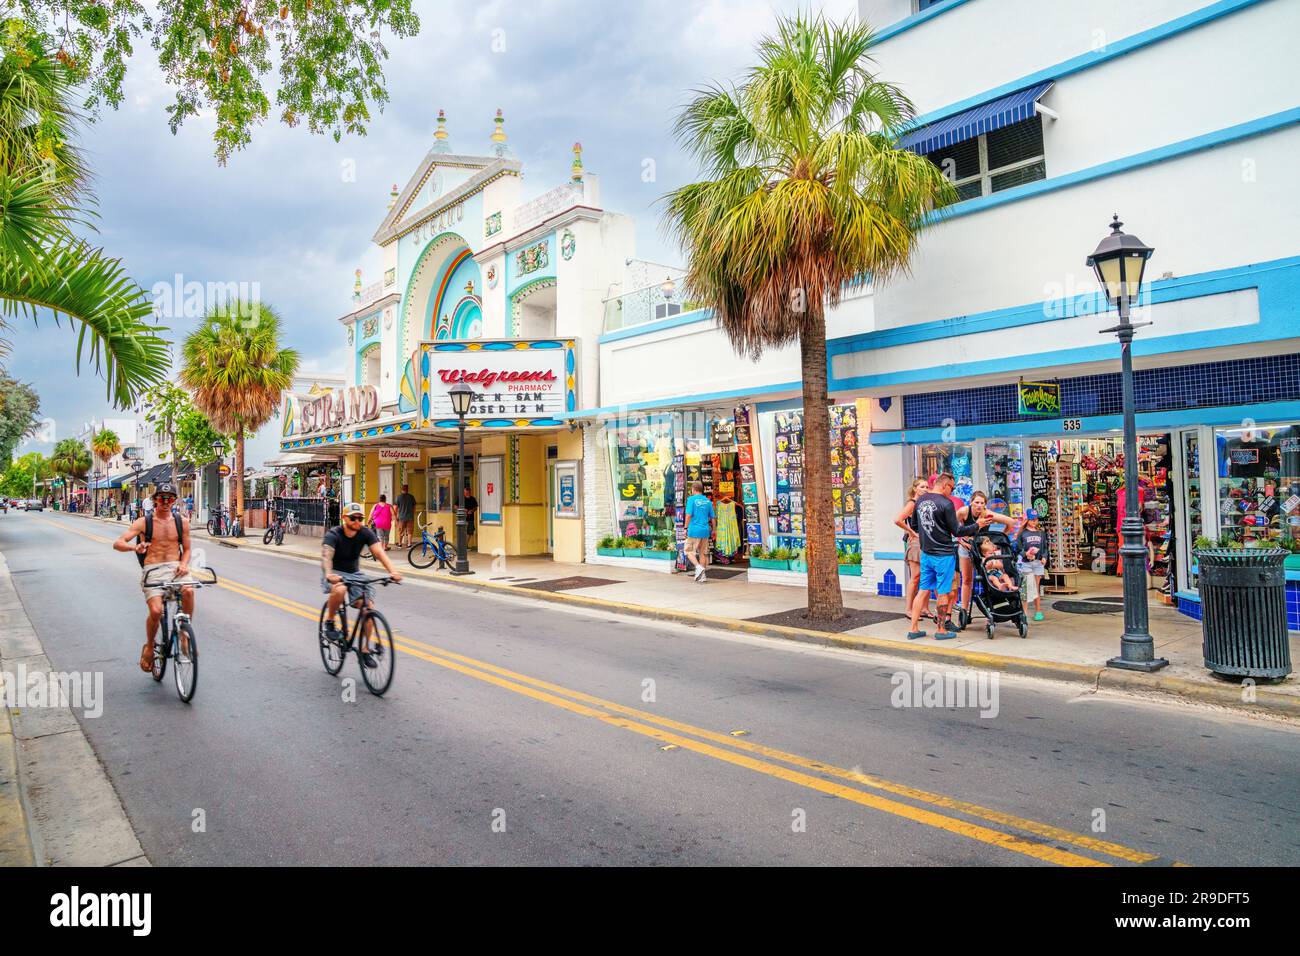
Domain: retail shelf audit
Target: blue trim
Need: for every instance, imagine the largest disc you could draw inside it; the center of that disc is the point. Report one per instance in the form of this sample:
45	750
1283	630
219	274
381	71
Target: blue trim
916	19
1278	283
686	318
1188	596
487	516
1174	418
1159	291
1086	61
1160	154
699	399
1292	575
891	556
781	405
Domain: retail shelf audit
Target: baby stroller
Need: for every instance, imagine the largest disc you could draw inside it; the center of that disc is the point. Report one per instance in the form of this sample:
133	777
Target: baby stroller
998	607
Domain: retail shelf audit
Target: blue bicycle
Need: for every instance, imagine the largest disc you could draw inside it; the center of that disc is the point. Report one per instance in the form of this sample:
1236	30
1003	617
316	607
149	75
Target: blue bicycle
432	550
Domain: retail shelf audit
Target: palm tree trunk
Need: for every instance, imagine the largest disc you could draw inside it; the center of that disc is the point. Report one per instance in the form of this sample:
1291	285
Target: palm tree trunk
824	600
238	476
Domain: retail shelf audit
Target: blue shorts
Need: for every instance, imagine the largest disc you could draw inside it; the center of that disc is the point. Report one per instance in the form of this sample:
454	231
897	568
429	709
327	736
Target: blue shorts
936	573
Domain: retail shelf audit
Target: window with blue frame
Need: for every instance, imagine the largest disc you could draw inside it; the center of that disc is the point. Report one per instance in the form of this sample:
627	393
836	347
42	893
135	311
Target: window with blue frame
926	4
988	163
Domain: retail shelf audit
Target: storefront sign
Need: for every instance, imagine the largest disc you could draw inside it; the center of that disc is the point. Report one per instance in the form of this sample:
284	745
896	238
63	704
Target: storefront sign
516	383
1040	399
1244	456
723	434
399	454
336	408
223	470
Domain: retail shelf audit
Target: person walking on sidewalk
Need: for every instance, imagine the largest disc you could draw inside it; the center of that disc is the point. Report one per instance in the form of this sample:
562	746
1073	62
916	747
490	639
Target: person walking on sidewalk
699	529
939	529
381	518
906	520
405	516
1032	563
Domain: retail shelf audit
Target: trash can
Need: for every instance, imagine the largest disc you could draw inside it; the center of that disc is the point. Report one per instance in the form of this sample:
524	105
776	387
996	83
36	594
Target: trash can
1243	612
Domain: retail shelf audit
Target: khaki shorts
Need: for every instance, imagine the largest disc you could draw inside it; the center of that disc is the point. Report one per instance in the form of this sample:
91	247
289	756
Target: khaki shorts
152	590
698	547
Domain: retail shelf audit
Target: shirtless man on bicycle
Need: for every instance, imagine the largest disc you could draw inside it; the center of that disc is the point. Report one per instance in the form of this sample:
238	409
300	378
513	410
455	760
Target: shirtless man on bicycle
340	551
168	546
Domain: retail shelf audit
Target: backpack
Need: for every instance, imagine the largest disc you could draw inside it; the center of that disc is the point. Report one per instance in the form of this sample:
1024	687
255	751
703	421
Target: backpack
148	533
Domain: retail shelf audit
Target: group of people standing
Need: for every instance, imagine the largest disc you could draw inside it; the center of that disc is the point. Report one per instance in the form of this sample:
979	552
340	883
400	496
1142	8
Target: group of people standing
939	530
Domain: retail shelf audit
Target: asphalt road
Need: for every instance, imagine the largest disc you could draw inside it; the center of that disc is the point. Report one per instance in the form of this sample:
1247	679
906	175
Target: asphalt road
524	733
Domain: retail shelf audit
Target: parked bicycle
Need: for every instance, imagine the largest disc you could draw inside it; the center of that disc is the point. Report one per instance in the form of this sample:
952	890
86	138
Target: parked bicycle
175	638
378	657
222	524
430	550
275	530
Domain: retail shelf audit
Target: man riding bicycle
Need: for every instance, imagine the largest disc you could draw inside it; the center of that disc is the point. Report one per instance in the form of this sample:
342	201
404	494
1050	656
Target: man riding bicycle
162	540
341	552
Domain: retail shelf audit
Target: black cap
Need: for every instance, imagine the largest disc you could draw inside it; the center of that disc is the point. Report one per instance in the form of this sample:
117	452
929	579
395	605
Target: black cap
166	488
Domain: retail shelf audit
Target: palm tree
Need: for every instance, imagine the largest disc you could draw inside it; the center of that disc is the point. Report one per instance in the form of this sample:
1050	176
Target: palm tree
805	189
71	459
236	368
105	444
44	265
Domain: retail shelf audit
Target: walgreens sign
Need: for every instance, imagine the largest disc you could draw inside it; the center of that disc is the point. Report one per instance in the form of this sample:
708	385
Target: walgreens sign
511	380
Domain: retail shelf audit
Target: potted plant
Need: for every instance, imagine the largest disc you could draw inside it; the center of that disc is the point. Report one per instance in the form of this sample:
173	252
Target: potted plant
631	547
662	547
850	563
608	547
1292	561
769	560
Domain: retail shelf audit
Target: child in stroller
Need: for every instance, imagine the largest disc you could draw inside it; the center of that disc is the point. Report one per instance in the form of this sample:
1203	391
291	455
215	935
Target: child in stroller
999	596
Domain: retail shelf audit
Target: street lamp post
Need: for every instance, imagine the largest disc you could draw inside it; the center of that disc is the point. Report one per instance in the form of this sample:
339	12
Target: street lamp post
461	397
219	449
137	468
1119	262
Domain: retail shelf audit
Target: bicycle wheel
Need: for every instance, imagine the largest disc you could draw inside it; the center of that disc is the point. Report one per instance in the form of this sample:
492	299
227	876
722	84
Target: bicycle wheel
212	527
279	535
270	533
381	655
422	555
187	661
332	653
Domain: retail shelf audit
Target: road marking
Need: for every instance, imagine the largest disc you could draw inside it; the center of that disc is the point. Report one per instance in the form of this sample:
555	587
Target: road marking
483	670
583	704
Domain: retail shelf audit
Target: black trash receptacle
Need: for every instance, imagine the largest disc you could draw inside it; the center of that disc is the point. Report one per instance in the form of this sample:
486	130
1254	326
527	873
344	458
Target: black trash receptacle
1243	612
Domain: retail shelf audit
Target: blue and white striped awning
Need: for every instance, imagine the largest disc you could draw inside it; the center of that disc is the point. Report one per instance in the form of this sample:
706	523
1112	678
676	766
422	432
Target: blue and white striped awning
970	123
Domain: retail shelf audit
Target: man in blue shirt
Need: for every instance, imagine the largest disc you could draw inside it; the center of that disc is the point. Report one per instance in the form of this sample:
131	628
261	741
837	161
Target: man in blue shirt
699	529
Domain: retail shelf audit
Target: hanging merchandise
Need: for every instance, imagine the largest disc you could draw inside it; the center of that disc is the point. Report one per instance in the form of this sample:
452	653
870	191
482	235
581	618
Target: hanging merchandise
753	530
790	493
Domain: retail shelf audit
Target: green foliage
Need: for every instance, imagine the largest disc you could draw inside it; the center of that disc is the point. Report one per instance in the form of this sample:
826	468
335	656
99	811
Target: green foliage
20	408
782	554
662	541
194	437
758	551
1202	543
45	265
18	478
628	543
218	55
105	444
71	458
607	542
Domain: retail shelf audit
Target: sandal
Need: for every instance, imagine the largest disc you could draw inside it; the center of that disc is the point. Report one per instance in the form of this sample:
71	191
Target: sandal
146	658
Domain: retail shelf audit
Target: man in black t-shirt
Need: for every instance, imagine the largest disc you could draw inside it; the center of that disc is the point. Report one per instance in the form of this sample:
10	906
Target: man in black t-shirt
341	552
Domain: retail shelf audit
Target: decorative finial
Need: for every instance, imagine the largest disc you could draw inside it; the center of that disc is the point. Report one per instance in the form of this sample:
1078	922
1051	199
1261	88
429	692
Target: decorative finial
392	197
499	147
1116	226
356	288
577	162
440	137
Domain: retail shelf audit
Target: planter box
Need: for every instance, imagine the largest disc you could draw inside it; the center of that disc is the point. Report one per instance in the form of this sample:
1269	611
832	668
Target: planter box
800	567
852	570
658	555
631	552
1291	562
610	552
769	564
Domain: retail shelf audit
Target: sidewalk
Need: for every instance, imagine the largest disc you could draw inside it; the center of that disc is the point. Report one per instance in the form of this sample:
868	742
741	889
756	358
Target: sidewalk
57	804
1071	647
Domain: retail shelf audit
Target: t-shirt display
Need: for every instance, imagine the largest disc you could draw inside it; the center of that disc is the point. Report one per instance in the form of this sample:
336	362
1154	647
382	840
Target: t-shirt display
789	471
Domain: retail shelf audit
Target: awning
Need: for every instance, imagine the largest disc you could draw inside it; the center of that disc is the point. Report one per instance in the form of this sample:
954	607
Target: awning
293	459
970	123
114	482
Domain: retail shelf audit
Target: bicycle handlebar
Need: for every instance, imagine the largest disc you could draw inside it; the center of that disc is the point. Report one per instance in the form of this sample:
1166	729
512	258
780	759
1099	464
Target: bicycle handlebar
174	582
350	577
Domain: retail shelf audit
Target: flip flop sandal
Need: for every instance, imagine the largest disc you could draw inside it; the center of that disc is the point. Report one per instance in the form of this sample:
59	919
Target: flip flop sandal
146	658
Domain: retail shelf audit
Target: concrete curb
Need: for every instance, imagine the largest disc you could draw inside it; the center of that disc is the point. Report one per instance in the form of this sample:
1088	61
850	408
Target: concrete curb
58	806
1267	701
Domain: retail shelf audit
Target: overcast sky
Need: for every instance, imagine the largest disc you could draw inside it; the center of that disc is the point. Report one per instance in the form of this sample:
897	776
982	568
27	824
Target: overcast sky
284	215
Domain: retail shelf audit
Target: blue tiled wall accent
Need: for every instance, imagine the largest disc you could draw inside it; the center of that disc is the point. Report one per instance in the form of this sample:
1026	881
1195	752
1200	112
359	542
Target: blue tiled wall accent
889	586
1189	607
1293	605
1240	382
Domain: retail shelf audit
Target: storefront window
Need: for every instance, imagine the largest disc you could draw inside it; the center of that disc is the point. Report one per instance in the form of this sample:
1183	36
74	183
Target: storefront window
640	465
1004	477
958	460
1258	483
784	431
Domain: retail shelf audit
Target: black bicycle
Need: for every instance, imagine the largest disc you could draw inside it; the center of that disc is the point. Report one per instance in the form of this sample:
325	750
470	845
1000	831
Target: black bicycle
378	659
276	530
222	524
175	638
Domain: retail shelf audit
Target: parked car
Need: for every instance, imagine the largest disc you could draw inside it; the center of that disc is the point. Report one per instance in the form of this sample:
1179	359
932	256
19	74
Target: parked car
33	504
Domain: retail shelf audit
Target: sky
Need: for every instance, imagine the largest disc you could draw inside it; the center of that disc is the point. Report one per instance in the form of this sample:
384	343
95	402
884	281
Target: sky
294	212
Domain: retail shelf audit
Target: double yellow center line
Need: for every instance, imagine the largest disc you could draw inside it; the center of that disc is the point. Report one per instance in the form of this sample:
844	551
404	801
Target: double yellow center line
867	790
